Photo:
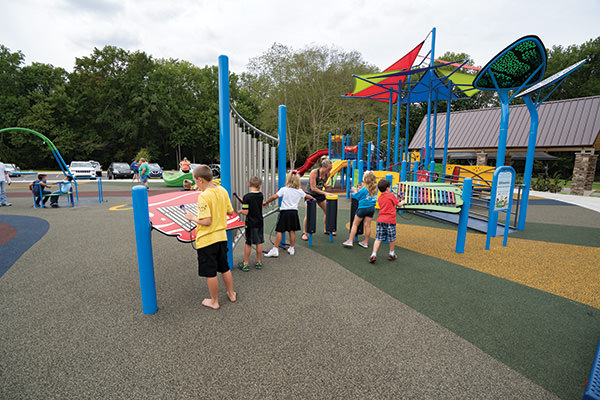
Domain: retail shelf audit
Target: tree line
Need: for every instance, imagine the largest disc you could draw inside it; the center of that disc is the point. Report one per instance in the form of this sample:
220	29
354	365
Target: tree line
116	103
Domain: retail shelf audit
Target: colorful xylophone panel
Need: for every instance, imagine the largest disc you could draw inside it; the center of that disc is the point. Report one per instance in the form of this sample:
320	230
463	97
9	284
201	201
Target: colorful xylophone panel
430	196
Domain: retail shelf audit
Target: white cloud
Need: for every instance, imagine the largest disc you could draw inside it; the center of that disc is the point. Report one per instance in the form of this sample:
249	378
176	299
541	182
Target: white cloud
58	31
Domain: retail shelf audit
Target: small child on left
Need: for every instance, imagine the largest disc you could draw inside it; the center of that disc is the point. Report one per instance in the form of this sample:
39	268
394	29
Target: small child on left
252	209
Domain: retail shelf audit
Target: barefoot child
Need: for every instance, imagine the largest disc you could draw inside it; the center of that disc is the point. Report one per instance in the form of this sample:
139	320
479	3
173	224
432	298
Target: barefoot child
288	221
211	238
367	198
252	209
386	220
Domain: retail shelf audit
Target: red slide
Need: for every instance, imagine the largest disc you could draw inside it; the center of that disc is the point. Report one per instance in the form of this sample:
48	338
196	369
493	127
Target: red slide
311	160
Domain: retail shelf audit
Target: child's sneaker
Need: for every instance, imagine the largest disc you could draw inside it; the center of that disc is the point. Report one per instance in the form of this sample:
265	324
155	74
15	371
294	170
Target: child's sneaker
372	259
392	257
272	253
363	244
244	267
348	243
291	251
258	265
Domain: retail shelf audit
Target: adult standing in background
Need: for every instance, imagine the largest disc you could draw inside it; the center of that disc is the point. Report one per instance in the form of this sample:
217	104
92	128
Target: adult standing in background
144	172
317	187
184	165
135	167
4	180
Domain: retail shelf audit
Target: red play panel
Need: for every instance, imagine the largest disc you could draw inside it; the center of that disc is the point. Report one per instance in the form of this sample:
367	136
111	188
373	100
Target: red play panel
167	216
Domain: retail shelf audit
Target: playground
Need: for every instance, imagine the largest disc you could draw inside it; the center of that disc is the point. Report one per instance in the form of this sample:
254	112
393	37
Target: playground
458	315
517	322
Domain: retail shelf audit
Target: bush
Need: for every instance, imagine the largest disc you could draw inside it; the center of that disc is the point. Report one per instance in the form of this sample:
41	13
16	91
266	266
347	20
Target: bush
543	183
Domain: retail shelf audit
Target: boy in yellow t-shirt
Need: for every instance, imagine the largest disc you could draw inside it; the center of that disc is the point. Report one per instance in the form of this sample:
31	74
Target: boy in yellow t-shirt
211	238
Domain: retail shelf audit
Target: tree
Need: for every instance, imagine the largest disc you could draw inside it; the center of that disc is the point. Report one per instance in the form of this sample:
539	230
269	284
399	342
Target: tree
309	82
585	81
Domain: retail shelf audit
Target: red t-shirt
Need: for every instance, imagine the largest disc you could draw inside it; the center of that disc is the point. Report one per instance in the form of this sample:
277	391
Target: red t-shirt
387	207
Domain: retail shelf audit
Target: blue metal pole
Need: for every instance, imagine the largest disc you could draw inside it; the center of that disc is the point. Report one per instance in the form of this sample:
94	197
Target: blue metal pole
361	164
432	159
533	128
224	140
141	221
463	219
329	147
500	155
369	155
389	137
405	161
281	152
379	162
397	133
447	128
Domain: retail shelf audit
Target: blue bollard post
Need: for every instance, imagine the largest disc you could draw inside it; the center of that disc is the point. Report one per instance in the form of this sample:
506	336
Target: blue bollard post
141	219
463	220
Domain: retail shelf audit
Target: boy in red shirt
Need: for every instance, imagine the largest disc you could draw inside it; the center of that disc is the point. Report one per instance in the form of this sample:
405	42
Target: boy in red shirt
386	220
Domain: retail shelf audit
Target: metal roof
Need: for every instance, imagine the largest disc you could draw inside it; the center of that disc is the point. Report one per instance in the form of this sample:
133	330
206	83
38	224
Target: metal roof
564	125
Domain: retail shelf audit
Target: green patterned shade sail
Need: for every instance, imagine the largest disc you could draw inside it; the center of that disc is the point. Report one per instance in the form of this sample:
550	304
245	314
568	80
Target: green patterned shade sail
514	66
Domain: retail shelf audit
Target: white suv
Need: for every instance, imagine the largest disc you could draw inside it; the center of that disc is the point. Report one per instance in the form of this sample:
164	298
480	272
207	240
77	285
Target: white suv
82	169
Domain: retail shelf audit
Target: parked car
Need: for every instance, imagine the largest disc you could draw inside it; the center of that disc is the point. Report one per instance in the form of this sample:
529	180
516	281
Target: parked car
13	170
216	170
82	169
155	170
119	170
97	166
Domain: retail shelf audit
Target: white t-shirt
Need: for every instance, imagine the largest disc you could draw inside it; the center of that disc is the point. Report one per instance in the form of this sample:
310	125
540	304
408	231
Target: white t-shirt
290	197
2	172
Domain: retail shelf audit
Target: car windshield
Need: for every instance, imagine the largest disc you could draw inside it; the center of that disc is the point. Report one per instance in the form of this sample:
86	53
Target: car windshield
120	165
10	166
80	164
154	166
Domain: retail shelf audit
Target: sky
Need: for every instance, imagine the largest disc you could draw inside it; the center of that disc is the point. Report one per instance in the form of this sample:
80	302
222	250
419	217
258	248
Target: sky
199	31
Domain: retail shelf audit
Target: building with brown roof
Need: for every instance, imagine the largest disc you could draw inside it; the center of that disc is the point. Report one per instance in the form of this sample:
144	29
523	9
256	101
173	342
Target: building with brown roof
571	125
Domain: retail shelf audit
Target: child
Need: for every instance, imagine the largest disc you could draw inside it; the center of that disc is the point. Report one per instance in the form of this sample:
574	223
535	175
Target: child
252	209
386	220
367	198
288	221
187	185
38	187
211	238
63	188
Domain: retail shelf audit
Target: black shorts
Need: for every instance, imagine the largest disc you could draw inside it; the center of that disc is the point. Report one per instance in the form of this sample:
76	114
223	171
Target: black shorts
288	221
319	197
212	259
254	236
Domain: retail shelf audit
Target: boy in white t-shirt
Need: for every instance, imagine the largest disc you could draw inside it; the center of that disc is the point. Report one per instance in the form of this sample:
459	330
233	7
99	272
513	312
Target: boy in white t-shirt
288	221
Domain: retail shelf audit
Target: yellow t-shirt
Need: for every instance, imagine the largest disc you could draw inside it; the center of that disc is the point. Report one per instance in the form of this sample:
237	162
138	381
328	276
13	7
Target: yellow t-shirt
215	203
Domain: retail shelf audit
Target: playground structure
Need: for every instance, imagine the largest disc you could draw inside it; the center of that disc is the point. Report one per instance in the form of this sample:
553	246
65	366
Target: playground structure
64	167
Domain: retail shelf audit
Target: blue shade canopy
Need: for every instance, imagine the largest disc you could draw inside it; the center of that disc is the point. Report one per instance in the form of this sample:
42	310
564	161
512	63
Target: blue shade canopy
521	63
420	92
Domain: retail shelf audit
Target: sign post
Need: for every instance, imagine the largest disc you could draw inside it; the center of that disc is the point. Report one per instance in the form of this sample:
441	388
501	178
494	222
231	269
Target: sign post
501	200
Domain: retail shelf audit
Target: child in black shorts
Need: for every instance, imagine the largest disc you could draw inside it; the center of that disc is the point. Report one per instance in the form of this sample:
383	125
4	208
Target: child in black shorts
252	209
211	238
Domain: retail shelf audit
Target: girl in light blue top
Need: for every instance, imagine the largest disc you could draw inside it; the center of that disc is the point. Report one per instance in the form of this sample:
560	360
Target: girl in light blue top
367	198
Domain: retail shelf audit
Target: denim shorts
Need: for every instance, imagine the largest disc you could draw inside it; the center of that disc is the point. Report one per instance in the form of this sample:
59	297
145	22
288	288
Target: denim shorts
365	212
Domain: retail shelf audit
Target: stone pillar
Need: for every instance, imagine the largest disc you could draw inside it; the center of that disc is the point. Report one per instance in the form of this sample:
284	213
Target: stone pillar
583	171
482	158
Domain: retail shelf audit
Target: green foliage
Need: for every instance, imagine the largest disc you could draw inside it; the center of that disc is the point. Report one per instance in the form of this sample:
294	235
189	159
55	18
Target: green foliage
543	183
585	81
144	153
